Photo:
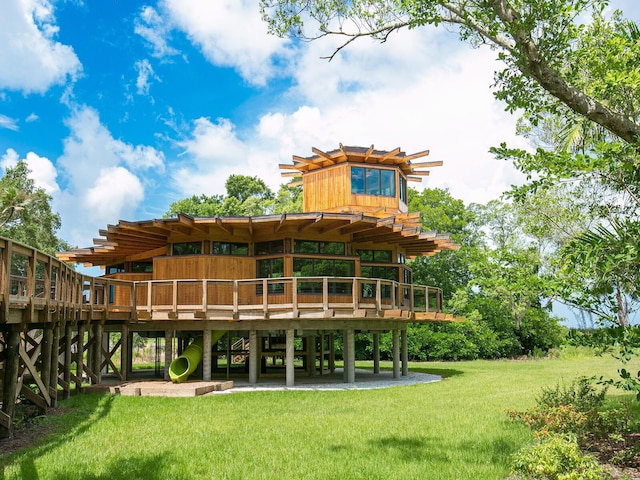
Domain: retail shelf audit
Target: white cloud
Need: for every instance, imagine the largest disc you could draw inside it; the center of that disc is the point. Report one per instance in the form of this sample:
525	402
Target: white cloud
8	123
230	33
155	30
145	73
31	60
115	192
32	117
42	171
210	155
104	177
405	100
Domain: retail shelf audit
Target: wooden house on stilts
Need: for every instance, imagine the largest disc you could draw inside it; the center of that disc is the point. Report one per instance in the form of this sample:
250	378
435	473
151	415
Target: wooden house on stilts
260	296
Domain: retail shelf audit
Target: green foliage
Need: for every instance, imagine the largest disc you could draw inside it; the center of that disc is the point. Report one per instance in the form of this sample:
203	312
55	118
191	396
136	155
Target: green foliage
25	212
557	457
246	196
565	419
552	62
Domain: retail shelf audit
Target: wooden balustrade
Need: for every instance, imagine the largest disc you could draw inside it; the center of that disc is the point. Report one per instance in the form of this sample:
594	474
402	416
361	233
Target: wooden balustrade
34	284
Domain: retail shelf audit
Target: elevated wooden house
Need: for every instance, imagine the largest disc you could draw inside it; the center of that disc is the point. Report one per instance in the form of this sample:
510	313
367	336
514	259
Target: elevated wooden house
265	294
337	267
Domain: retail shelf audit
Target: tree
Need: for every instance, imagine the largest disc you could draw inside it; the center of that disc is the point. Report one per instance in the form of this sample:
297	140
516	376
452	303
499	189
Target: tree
25	212
546	47
439	211
246	196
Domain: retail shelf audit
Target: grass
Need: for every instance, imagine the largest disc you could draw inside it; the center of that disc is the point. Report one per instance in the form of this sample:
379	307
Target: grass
454	429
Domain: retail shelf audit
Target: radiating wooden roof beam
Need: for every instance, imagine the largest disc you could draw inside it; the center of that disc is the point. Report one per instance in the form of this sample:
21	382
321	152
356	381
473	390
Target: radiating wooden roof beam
435	163
389	155
421	154
220	225
368	154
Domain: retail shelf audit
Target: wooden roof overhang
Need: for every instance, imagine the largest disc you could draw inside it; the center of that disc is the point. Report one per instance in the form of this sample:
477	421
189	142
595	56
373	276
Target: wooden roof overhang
414	171
134	241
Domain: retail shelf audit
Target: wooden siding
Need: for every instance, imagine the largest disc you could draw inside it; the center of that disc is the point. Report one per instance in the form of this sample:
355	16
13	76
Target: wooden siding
327	189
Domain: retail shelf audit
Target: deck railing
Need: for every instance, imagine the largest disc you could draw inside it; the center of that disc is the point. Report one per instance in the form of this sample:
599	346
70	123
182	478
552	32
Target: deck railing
294	295
42	285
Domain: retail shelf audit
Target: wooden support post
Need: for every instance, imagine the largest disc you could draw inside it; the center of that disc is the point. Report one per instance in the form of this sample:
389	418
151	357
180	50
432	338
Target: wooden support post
396	354
290	367
349	356
10	381
55	357
168	352
125	348
46	353
97	352
376	352
79	357
405	352
206	354
66	375
253	357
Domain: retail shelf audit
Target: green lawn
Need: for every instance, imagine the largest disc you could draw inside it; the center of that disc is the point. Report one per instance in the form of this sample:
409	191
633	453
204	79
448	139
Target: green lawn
454	429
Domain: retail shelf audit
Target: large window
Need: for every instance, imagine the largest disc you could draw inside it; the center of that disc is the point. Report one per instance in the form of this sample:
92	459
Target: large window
323	267
227	248
111	269
375	271
403	190
373	181
379	256
142	267
269	248
186	248
270	268
324	248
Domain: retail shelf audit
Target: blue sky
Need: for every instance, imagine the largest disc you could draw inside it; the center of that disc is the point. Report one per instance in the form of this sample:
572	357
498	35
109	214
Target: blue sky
121	107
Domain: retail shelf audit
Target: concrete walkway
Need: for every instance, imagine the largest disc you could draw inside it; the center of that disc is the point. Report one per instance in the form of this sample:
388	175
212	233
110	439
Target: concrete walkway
365	380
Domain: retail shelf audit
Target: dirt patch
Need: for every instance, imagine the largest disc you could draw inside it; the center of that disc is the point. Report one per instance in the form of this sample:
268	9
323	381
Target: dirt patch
29	431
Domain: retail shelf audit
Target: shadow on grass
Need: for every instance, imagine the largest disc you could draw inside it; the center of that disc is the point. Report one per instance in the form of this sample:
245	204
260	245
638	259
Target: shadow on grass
412	449
127	468
84	411
443	372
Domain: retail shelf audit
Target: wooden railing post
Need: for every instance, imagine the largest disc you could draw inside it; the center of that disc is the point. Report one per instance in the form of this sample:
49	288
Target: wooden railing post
5	277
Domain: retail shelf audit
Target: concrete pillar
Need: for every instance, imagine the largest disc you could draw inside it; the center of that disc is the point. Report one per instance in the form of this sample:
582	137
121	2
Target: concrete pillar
253	357
376	352
312	351
79	357
405	352
290	350
206	354
10	379
396	353
350	356
168	352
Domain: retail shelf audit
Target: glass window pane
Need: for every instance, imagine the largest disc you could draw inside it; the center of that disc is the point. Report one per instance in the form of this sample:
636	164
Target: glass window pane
305	246
365	255
332	248
357	180
382	256
187	248
388	183
372	182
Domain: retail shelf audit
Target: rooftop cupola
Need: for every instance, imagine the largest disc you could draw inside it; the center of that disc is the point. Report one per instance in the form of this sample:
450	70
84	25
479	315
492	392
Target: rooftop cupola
357	179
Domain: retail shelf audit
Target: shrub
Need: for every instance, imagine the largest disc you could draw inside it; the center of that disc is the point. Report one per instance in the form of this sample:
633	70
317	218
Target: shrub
557	457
